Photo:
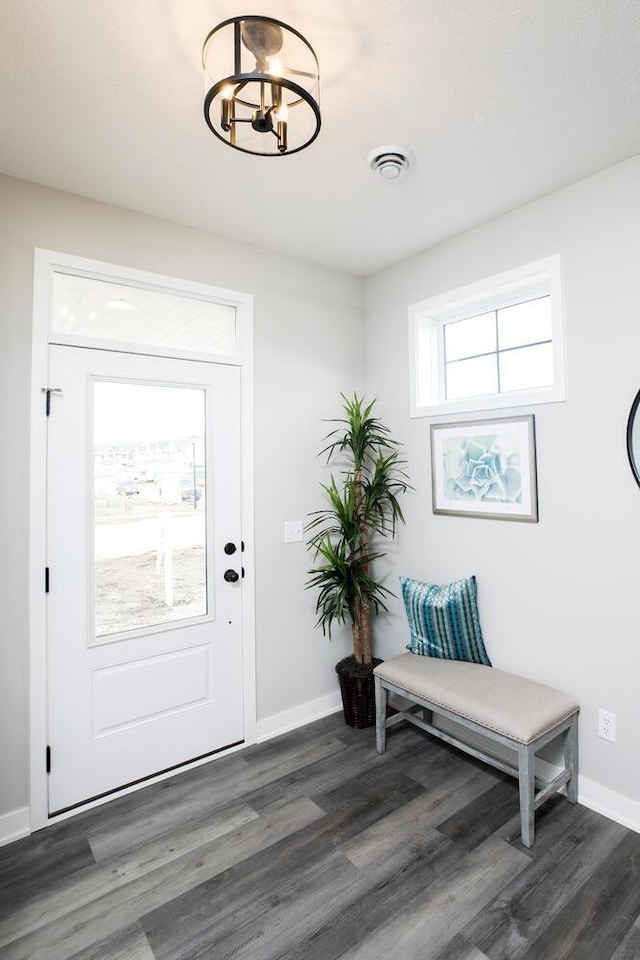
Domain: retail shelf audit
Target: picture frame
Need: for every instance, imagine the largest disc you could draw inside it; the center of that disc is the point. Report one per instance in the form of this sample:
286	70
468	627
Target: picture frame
485	468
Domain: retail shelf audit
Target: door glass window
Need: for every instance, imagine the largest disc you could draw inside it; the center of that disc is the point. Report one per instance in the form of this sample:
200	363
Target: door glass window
149	506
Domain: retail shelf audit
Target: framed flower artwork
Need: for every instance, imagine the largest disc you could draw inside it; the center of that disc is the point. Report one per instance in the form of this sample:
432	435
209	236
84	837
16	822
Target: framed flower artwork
485	468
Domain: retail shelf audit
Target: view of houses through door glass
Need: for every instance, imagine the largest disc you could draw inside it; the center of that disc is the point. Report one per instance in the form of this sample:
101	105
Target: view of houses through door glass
149	506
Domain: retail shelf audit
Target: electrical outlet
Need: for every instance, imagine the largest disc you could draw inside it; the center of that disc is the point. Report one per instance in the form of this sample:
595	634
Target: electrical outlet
607	725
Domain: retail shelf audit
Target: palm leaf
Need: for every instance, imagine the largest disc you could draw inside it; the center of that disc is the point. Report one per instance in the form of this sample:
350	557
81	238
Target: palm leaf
343	583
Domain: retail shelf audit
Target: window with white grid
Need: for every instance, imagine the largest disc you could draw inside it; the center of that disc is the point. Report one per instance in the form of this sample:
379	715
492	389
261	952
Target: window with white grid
498	343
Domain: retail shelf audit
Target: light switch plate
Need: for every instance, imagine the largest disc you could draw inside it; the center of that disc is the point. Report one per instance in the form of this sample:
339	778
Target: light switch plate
292	531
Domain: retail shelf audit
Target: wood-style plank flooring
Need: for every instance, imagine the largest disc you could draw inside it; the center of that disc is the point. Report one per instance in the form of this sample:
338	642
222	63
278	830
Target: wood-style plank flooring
312	847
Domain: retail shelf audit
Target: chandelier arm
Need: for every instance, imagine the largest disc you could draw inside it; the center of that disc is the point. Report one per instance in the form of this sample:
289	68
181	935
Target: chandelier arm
300	73
302	96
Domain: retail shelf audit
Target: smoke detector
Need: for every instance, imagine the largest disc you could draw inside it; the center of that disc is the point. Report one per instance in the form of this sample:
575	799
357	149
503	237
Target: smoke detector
390	161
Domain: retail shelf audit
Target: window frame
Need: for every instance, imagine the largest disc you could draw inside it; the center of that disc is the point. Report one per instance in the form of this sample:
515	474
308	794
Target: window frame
427	319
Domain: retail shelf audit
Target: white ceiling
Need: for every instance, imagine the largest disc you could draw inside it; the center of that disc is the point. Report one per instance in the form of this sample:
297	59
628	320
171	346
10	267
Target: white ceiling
502	101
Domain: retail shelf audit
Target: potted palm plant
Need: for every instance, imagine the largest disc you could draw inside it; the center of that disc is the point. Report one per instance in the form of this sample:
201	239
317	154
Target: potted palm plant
362	507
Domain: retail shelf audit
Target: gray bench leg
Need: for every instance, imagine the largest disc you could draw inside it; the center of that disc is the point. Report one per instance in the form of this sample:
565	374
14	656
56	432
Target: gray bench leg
527	782
571	759
381	715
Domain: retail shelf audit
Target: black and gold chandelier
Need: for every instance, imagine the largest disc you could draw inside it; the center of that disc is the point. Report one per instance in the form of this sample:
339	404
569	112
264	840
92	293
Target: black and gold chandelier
264	93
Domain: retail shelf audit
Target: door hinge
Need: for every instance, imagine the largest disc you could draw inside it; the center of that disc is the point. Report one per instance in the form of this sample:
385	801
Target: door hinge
48	759
46	579
47	394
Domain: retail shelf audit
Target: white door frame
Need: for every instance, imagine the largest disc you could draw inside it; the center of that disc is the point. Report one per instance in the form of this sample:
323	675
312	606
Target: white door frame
45	264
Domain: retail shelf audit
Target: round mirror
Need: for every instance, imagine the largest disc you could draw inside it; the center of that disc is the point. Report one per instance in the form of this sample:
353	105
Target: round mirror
633	437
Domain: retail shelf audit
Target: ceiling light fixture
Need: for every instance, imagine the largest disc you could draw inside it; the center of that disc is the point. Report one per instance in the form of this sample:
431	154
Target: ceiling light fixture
264	93
390	161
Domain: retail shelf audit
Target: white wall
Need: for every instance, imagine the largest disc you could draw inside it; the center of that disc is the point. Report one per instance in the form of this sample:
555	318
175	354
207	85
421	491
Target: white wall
308	348
558	599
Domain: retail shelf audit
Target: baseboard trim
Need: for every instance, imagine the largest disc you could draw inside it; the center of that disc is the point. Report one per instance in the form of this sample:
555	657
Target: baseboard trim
298	716
14	825
613	805
601	799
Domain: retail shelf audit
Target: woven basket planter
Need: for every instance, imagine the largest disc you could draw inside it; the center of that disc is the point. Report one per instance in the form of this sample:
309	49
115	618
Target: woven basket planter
358	693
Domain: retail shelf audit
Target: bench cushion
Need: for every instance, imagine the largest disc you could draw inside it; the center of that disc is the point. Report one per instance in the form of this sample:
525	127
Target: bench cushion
512	706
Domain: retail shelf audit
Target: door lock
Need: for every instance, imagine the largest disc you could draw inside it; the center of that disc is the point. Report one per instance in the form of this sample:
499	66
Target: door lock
231	576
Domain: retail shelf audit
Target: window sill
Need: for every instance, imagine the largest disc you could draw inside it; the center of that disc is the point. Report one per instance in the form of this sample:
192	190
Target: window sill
526	398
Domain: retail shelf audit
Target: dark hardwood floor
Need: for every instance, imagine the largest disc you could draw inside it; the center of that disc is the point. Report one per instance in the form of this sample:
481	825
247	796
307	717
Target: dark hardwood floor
312	847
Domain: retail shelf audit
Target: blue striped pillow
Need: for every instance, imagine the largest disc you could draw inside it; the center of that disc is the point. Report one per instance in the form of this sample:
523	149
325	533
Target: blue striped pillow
444	620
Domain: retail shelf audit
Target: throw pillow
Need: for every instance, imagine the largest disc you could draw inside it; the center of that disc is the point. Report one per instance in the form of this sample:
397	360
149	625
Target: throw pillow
443	620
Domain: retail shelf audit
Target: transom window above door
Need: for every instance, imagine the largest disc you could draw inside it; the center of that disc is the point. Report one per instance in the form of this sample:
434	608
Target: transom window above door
92	311
498	343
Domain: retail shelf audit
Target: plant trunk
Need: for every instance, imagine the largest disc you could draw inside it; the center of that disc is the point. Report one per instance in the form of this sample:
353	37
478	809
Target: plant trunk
365	635
357	642
363	652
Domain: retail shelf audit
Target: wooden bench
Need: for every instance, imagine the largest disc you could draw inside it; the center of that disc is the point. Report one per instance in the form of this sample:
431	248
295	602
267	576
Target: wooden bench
506	709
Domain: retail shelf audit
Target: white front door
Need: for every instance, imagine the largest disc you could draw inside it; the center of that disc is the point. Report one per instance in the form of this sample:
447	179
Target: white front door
145	568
